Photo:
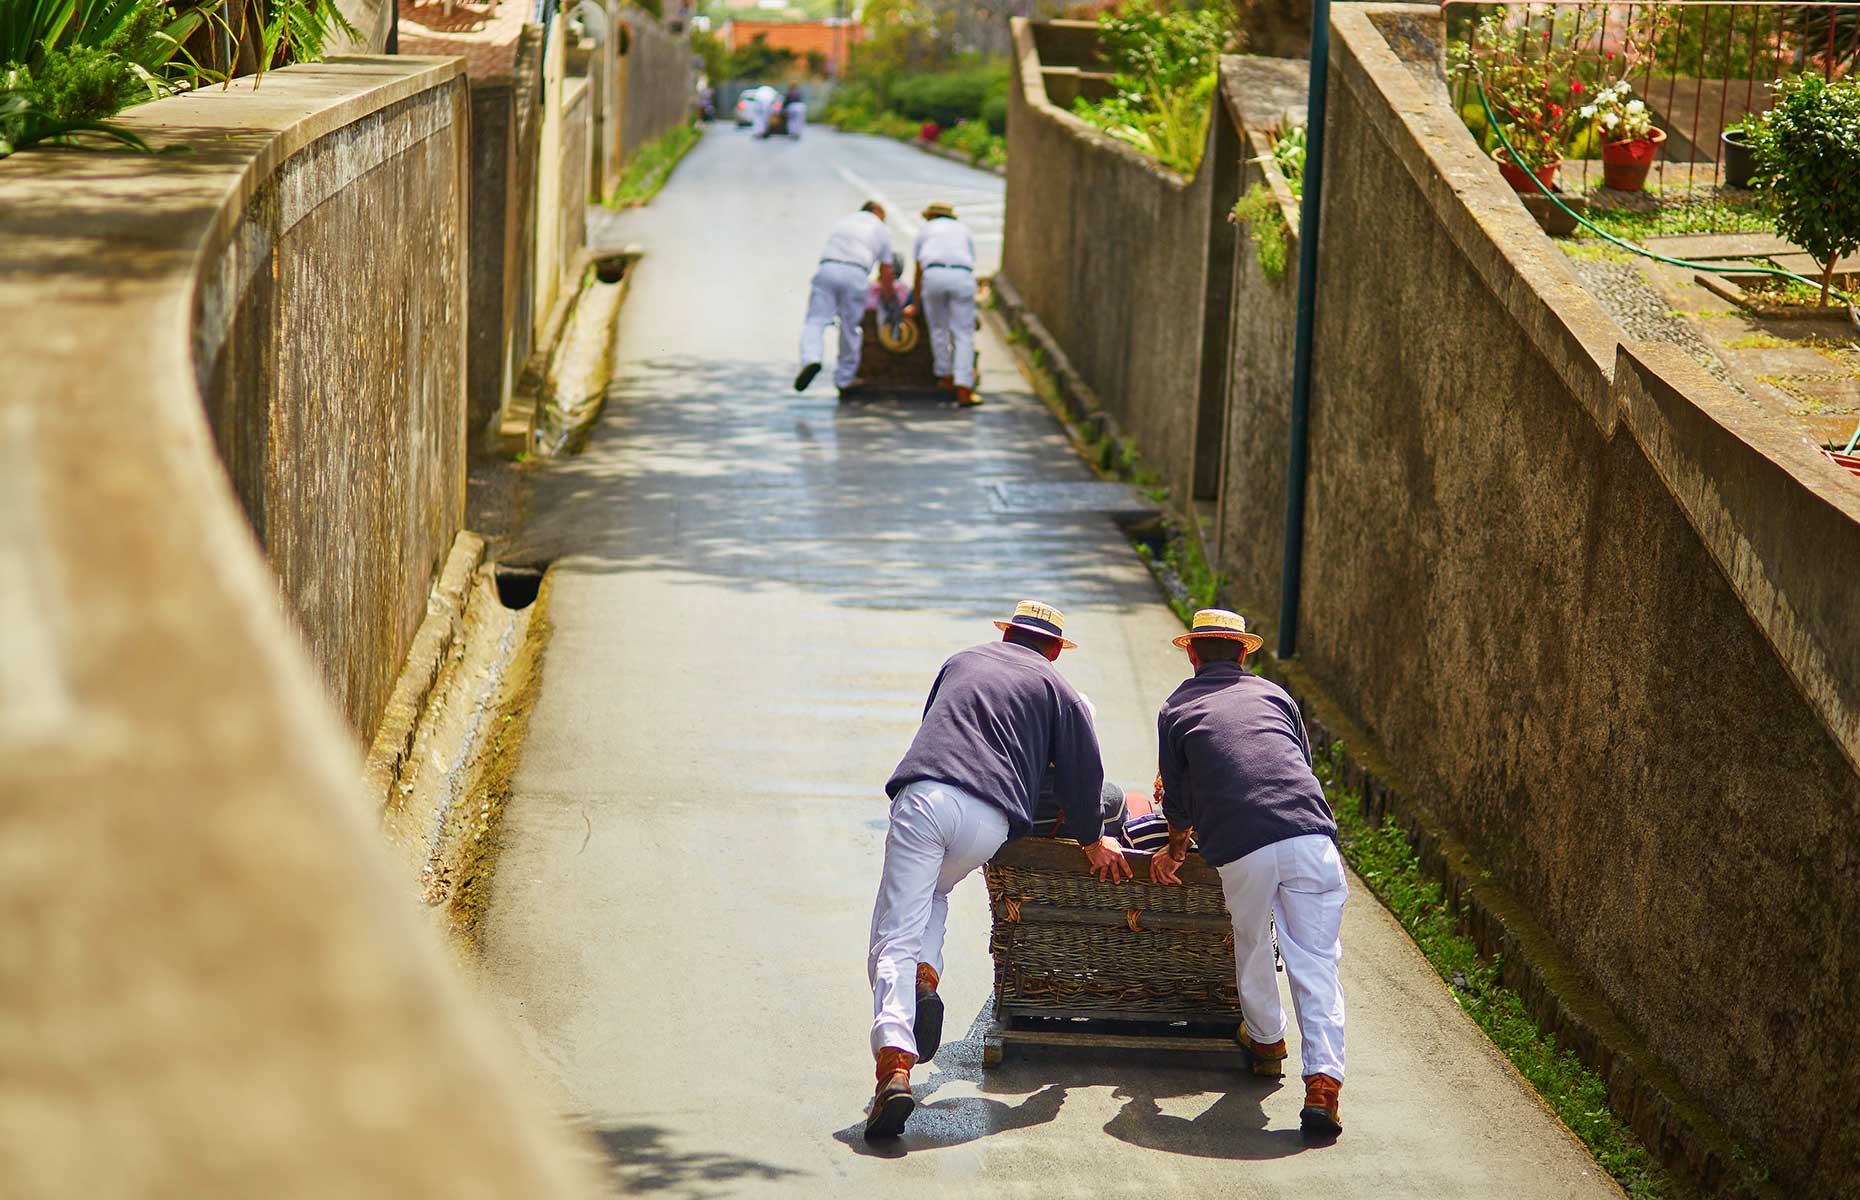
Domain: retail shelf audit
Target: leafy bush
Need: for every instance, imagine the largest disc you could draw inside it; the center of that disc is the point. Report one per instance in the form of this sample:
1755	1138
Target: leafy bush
66	65
973	138
1807	155
1164	67
66	68
952	97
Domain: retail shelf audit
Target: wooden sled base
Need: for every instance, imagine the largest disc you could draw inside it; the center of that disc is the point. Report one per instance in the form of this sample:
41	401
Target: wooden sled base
1205	1041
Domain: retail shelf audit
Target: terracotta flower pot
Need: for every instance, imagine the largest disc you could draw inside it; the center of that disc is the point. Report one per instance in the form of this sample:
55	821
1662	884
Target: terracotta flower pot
1520	179
1625	164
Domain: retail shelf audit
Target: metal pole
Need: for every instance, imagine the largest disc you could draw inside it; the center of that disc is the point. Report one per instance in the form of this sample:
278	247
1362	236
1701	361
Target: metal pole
1292	573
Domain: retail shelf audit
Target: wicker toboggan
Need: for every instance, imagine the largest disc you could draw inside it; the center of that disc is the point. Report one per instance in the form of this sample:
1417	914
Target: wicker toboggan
1072	953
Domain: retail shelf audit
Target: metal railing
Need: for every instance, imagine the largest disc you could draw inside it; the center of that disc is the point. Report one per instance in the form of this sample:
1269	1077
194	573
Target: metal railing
1700	67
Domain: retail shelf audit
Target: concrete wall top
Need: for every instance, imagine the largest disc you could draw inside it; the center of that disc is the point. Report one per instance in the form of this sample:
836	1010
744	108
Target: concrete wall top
221	987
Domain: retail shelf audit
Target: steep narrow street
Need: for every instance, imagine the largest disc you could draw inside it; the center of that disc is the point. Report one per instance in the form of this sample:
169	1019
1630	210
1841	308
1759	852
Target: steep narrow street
751	592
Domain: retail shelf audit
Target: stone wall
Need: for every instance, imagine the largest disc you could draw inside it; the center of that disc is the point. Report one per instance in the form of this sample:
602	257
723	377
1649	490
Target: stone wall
658	84
1109	249
328	341
1588	612
576	166
220	984
1589	609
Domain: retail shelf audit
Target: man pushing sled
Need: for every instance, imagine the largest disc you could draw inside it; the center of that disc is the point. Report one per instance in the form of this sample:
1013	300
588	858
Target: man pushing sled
997	715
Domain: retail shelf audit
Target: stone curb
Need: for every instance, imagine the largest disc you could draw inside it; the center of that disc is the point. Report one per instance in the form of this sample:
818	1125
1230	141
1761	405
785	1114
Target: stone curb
956	156
1667	1119
445	611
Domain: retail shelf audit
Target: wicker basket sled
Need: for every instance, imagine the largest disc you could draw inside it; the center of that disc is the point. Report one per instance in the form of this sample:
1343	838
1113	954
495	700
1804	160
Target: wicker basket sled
1130	965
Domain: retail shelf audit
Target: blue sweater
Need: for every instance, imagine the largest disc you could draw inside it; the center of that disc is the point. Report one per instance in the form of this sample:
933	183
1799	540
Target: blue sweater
998	713
1236	765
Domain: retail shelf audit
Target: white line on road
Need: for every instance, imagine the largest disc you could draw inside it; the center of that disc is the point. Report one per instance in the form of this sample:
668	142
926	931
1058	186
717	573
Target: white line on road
893	213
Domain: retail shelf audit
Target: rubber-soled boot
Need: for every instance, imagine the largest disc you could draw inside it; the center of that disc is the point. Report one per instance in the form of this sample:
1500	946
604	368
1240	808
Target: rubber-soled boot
806	376
1319	1117
1262	1058
928	1028
892	1102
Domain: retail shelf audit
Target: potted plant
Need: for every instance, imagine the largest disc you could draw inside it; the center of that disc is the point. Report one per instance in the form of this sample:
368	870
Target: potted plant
1807	154
1739	163
1528	68
1630	139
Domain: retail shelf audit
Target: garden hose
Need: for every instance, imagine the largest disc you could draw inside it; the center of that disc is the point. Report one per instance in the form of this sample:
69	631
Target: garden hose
1720	268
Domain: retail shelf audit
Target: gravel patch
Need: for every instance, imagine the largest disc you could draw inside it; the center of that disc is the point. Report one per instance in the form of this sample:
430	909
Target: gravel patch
1643	313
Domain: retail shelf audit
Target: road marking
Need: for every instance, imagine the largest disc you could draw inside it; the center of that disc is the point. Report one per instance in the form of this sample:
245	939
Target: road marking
893	213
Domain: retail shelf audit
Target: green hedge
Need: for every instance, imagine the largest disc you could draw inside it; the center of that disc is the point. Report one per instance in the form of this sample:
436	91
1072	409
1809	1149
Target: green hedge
971	93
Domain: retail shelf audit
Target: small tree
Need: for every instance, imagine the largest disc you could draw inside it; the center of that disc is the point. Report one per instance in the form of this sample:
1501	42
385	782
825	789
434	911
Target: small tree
1807	153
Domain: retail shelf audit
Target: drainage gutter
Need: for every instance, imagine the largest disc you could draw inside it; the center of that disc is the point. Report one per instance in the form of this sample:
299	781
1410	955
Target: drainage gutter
1292	570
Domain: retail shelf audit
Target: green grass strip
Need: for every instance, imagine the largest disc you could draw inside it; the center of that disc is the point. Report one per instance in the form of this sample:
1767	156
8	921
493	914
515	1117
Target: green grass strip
1386	862
648	170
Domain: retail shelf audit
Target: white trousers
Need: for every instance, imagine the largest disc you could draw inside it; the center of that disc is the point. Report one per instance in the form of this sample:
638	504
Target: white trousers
1299	882
837	293
758	117
949	308
797	119
939	834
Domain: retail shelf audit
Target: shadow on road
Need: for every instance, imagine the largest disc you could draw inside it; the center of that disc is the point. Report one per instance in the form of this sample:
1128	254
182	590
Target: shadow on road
643	1161
717	470
1233	1127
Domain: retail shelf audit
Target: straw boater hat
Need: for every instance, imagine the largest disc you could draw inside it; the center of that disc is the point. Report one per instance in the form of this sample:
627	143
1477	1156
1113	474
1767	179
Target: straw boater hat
939	209
1042	619
1219	623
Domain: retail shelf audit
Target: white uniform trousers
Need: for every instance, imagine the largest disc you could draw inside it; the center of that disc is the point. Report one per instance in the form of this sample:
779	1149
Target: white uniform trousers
797	119
838	293
949	308
939	834
759	117
1300	883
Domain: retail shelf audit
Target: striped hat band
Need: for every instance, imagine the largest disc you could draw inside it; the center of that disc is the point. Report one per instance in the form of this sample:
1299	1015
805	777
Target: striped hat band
1220	623
1043	619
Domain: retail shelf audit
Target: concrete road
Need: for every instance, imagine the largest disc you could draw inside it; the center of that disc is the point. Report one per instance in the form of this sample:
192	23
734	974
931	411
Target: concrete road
752	591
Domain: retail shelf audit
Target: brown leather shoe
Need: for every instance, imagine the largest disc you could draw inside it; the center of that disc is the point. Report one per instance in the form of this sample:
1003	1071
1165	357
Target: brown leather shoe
966	397
1262	1058
946	381
892	1102
1319	1116
927	1030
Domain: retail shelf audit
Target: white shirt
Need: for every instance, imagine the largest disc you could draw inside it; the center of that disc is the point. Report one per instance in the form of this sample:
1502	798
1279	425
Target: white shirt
946	241
861	240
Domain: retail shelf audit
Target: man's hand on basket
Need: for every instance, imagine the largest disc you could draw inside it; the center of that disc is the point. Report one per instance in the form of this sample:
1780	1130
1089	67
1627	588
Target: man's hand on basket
1163	867
1106	857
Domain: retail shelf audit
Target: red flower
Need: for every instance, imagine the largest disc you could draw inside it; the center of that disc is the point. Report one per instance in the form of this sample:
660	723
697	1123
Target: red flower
1576	87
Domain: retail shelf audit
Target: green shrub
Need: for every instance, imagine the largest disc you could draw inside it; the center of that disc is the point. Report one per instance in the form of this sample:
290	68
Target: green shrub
1164	65
973	138
951	97
1259	211
1807	155
994	111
